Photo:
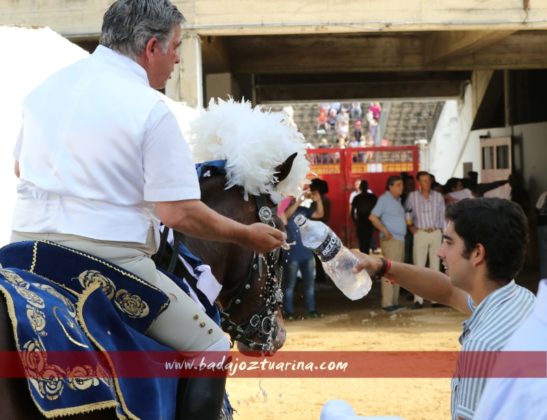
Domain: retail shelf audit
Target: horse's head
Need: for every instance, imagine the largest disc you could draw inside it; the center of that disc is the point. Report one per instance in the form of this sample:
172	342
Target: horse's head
251	293
260	150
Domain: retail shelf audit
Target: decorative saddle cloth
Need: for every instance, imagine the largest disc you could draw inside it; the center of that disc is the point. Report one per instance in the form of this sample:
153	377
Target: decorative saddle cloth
63	300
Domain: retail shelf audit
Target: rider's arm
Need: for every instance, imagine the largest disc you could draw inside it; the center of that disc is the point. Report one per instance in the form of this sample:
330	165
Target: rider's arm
194	218
430	284
16	169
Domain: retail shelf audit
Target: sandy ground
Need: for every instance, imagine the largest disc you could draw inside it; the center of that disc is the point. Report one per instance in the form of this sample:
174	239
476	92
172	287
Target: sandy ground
356	326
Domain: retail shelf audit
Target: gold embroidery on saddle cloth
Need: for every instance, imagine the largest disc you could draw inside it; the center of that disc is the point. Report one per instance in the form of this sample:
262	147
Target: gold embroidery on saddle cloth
31	297
82	409
88	277
69	306
131	304
80	317
71	324
14	278
37	320
93	258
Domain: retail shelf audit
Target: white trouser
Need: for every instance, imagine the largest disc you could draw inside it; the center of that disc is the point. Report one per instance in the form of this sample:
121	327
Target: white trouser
427	244
184	325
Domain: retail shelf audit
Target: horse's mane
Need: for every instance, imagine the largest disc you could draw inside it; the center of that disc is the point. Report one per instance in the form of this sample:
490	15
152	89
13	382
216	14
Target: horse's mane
253	142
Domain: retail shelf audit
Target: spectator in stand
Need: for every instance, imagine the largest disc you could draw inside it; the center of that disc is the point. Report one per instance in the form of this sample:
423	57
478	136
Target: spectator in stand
373	128
298	257
427	211
373	116
355	143
361	206
357	130
388	216
322	121
332	119
356	111
376	110
342	127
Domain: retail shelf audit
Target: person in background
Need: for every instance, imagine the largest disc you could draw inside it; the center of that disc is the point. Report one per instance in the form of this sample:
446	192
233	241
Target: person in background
356	191
361	206
298	257
322	187
388	216
427	210
483	250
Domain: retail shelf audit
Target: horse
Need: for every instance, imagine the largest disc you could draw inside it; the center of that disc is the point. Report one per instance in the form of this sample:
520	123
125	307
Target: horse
250	297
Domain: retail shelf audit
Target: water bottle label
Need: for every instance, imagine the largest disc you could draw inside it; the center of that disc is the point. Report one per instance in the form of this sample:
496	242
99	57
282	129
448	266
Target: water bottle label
329	248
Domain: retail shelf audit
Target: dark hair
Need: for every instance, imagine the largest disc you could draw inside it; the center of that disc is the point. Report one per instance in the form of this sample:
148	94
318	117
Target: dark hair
392	180
500	226
363	185
129	24
421	173
319	185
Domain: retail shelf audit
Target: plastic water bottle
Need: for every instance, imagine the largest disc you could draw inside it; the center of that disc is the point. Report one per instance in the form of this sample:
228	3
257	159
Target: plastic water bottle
338	261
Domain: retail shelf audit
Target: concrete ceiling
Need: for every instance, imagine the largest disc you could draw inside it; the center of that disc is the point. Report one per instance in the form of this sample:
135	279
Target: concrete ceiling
432	64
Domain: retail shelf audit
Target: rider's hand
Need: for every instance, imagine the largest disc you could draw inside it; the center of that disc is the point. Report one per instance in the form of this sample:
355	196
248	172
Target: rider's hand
263	238
387	235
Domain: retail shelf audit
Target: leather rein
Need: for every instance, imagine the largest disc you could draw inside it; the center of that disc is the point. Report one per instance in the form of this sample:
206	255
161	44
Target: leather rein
259	331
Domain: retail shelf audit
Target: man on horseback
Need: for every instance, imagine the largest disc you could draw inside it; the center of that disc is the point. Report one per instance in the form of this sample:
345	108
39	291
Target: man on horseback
102	160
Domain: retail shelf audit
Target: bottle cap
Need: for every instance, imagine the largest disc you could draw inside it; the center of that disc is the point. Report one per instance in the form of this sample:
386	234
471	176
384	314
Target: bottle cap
300	219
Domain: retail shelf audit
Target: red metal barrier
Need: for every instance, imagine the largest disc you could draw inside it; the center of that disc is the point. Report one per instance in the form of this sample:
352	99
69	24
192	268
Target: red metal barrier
342	167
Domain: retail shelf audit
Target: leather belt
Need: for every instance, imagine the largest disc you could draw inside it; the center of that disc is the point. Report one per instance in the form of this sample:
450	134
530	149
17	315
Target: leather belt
429	230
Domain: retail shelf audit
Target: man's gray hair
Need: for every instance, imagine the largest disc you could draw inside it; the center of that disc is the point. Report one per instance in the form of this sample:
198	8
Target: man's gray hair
129	24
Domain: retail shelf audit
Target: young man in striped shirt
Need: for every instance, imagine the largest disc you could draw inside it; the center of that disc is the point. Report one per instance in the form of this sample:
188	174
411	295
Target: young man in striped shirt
482	250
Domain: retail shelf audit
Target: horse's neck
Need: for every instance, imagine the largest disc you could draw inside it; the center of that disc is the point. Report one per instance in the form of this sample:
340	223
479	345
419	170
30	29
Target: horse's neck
229	262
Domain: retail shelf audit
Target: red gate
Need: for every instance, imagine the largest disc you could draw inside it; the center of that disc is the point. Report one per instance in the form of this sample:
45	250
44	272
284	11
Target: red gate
342	167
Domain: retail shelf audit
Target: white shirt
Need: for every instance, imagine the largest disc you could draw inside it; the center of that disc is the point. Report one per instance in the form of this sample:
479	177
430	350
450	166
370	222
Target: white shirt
514	397
97	147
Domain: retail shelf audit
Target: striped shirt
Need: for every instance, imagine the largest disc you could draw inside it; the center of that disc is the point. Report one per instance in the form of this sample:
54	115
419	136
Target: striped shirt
488	329
426	213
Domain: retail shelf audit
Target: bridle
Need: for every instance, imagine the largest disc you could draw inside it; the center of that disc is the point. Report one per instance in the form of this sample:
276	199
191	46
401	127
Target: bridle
259	330
268	268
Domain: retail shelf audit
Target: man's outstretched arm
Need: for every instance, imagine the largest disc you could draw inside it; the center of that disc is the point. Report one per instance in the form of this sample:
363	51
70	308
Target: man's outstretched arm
430	284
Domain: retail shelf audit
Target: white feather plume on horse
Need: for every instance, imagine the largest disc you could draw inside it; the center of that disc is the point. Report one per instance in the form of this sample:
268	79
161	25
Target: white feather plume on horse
253	142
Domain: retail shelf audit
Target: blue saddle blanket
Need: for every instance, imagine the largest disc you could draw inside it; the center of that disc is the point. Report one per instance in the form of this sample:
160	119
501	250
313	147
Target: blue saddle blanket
63	300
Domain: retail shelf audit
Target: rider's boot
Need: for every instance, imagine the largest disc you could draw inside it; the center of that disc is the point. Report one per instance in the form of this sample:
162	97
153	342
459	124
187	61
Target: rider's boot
200	399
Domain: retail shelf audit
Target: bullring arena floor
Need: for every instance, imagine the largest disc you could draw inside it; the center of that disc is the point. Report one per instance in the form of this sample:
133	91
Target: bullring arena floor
358	326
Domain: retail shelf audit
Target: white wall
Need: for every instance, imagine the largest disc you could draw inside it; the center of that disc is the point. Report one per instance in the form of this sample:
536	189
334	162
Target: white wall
450	141
453	144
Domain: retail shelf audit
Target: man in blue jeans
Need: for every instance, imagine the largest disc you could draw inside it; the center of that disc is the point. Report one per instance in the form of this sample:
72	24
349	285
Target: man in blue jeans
300	257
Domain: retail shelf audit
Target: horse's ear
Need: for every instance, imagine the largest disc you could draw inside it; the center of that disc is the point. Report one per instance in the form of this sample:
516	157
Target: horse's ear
282	171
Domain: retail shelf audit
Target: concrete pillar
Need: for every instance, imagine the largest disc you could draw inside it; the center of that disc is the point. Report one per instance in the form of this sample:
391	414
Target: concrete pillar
186	83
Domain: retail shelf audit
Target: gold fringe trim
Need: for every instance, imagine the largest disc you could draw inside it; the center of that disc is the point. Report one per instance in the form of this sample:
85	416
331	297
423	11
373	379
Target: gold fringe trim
79	316
83	409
